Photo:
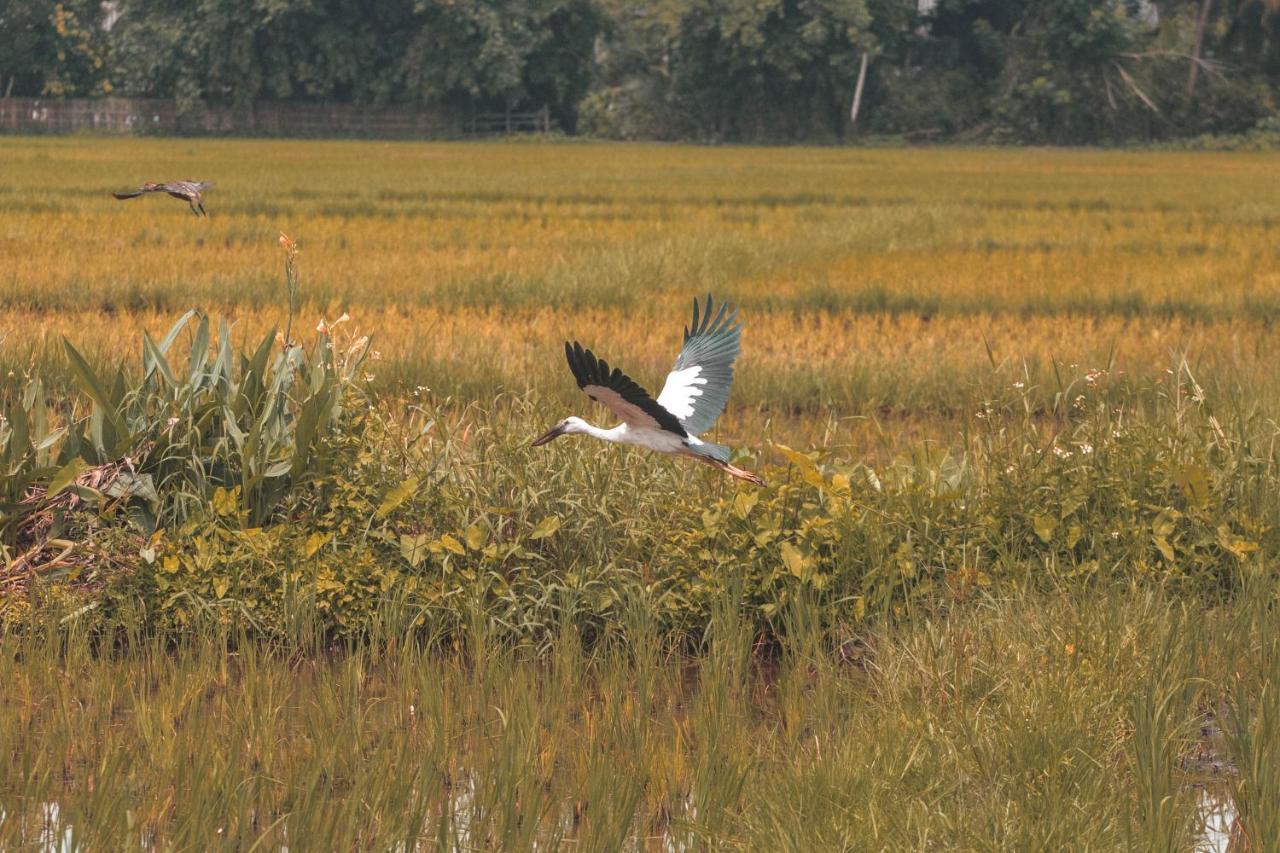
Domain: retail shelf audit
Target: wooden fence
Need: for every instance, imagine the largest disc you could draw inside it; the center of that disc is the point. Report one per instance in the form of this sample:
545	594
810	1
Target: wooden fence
145	116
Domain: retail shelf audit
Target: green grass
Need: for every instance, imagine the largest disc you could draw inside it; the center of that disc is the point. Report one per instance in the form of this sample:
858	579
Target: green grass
1012	574
1063	721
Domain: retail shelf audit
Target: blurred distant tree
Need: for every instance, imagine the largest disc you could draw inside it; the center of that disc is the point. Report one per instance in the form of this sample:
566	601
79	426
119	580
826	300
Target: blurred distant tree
772	69
499	54
1231	53
55	49
465	54
1071	73
238	51
1058	71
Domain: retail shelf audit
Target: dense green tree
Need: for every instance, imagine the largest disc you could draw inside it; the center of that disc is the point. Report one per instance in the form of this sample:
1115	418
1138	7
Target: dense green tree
52	48
1062	71
494	55
465	55
780	68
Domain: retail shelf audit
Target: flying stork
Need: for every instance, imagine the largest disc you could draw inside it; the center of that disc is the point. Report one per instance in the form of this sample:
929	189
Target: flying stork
188	191
694	395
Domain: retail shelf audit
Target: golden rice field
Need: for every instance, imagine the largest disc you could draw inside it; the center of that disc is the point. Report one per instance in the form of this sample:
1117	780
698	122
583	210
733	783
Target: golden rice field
1050	624
900	285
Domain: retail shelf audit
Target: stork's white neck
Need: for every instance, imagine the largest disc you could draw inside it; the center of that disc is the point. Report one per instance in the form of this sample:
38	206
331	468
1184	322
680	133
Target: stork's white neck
617	435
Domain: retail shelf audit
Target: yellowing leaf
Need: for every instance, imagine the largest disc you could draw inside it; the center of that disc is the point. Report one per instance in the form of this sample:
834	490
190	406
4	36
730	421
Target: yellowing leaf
326	583
414	548
1193	480
475	537
795	562
170	564
396	497
807	467
744	502
226	501
545	528
449	543
220	586
840	484
1044	527
1237	545
1163	525
314	543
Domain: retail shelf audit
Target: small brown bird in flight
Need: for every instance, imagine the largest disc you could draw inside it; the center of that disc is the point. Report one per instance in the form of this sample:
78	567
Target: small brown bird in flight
188	191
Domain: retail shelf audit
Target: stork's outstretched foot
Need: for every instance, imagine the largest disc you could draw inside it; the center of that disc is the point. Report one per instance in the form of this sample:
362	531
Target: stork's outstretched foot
734	471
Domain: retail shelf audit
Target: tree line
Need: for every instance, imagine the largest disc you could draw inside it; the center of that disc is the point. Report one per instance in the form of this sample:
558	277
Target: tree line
1042	71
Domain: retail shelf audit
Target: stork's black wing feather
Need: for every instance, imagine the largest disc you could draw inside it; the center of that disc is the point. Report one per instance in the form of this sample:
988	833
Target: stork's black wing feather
618	391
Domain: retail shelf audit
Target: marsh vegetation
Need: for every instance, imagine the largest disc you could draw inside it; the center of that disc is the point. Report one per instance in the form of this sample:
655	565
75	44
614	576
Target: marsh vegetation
1010	584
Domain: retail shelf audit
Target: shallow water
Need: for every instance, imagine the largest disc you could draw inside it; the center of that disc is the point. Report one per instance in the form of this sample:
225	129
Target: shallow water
1217	813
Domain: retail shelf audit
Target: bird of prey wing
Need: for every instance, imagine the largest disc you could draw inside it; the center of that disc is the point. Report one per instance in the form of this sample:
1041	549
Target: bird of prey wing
697	388
619	392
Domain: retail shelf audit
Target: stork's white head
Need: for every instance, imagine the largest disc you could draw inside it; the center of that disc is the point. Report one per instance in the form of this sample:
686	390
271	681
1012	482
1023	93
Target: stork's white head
569	426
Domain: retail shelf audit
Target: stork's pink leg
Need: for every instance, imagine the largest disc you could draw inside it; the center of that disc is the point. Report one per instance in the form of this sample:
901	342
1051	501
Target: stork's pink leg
734	471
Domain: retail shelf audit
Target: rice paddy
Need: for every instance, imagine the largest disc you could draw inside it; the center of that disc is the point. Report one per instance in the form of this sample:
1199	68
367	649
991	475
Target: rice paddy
1010	586
871	281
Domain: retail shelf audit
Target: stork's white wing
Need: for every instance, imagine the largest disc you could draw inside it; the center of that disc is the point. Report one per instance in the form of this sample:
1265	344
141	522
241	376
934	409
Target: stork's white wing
626	399
697	388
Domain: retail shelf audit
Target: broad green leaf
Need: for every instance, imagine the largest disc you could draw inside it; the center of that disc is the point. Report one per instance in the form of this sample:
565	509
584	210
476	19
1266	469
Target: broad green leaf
174	331
744	502
92	385
279	469
1193	480
1163	525
51	439
127	485
199	356
153	360
67	475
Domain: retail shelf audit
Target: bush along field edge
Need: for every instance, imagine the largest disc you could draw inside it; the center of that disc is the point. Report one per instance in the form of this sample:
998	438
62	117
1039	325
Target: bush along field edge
263	487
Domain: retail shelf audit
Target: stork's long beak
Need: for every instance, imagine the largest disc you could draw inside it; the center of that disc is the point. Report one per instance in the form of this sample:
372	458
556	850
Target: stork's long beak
553	433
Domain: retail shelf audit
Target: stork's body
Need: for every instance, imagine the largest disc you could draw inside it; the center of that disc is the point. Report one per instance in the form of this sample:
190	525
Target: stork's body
693	397
189	191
